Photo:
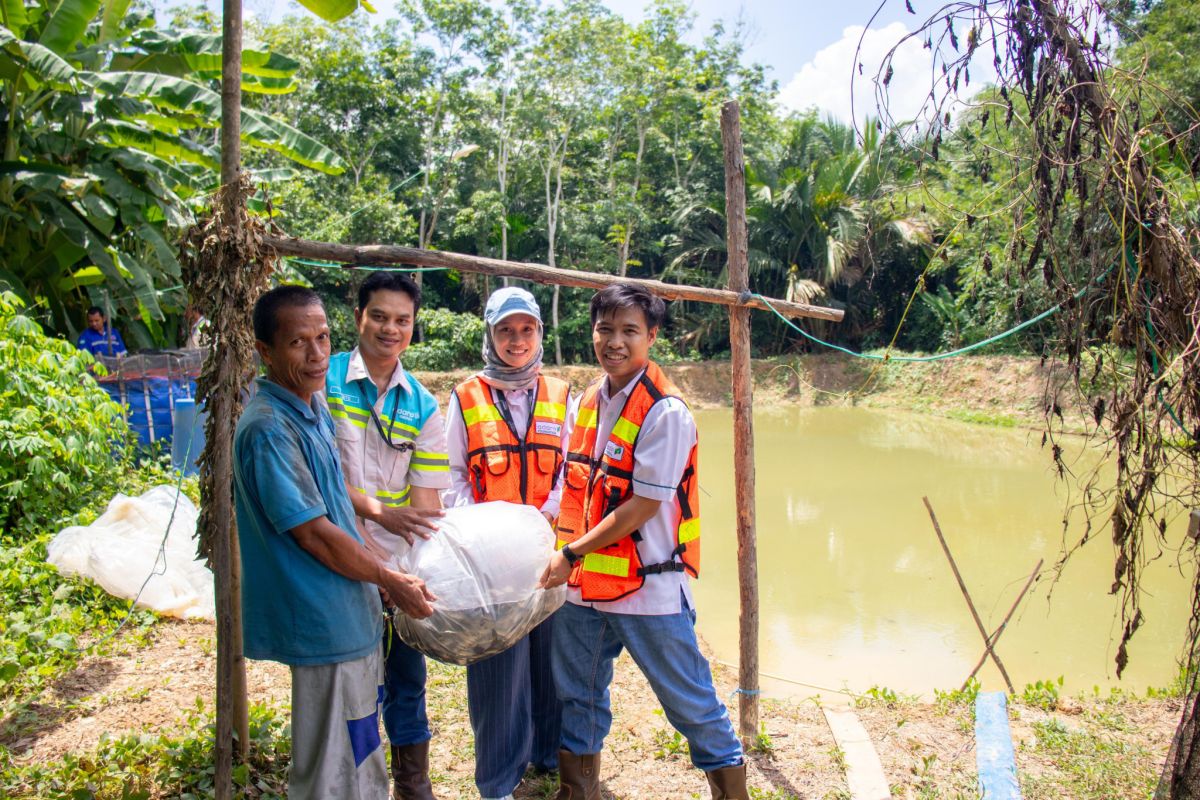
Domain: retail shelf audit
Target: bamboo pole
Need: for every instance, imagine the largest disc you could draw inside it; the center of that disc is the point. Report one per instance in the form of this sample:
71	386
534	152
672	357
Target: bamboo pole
231	702
962	587
378	254
996	634
743	421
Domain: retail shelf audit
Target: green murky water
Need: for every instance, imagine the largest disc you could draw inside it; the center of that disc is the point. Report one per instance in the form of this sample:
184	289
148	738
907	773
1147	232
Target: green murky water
854	588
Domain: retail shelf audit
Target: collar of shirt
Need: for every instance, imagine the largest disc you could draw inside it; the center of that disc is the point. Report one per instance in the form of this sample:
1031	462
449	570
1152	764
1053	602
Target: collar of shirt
356	370
625	391
282	394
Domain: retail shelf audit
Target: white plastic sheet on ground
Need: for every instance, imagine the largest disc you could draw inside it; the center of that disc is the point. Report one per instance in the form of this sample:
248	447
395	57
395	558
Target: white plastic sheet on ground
121	549
483	563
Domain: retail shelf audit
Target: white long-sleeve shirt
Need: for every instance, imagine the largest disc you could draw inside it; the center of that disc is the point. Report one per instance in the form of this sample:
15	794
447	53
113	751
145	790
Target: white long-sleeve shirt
664	442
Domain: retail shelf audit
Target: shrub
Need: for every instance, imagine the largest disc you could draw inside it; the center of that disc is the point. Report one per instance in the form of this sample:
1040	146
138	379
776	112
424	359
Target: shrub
60	434
450	341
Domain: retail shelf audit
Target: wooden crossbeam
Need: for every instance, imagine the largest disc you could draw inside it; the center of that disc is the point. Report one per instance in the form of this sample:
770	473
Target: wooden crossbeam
381	255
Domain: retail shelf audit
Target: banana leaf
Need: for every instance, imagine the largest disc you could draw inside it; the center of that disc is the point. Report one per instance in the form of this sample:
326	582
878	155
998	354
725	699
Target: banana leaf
160	144
262	130
164	91
38	60
331	10
162	249
180	53
110	23
67	25
13	16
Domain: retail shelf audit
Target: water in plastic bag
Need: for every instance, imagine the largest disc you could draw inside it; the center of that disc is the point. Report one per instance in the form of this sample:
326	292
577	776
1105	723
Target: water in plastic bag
483	564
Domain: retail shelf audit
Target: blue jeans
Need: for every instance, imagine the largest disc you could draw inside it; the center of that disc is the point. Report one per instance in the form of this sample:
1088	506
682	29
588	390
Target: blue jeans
514	712
404	716
587	641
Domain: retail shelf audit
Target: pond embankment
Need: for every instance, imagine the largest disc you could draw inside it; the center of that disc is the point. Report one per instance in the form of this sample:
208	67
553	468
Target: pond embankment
1000	390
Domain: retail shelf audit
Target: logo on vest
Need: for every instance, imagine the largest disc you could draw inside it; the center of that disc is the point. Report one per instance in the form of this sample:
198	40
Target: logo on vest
614	451
549	428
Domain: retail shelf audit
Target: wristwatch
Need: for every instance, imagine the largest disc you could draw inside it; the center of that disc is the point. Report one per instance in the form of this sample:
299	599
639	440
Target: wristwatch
569	554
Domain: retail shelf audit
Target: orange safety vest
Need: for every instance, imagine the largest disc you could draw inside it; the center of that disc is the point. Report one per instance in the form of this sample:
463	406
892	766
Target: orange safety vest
595	487
500	464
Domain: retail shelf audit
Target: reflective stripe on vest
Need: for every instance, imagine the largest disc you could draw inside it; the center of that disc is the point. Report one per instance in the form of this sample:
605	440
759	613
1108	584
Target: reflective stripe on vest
500	465
595	487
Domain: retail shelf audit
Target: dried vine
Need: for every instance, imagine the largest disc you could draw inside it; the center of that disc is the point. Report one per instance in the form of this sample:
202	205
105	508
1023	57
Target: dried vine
226	269
1095	223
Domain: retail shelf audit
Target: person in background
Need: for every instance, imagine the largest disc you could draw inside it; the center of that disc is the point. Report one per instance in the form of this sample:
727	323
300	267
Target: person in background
506	433
393	455
629	529
197	328
99	338
309	596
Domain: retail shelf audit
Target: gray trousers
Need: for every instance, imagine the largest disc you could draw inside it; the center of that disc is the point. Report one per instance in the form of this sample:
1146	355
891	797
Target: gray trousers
336	750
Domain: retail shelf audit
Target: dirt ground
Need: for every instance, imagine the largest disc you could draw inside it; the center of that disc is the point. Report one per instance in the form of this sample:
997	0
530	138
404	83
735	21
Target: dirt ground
926	750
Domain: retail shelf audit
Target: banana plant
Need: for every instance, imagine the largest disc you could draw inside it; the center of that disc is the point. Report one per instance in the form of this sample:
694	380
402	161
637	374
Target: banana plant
108	130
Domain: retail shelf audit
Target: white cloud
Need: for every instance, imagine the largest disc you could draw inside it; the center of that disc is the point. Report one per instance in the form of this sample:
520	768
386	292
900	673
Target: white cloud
825	82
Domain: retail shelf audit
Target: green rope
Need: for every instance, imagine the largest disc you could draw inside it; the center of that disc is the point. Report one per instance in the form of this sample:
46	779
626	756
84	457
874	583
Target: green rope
937	356
333	265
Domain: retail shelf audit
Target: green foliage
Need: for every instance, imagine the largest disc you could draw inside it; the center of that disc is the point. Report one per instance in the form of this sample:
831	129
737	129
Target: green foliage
51	622
1042	694
451	341
669	743
770	794
882	696
957	697
60	435
108	149
159	765
1090	766
763	743
43	629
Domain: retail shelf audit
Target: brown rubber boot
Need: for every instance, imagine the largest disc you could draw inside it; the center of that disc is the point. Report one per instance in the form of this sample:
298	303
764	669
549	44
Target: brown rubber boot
728	783
410	772
579	776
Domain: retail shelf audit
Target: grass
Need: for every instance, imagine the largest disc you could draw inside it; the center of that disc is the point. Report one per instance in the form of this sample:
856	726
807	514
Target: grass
1088	764
139	767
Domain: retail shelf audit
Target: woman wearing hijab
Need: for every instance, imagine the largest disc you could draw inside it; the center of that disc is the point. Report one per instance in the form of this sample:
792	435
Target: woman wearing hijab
507	439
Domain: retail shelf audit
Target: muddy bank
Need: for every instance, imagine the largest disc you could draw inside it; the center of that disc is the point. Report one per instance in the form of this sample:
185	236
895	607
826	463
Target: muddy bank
1003	390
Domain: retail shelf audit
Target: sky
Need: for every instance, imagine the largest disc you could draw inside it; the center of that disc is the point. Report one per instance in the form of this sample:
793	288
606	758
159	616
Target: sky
808	48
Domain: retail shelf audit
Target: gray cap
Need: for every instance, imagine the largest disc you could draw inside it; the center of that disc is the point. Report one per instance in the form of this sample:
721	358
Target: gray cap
510	300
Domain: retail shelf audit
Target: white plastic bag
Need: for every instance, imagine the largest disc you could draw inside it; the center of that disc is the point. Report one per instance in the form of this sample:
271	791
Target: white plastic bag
483	564
121	549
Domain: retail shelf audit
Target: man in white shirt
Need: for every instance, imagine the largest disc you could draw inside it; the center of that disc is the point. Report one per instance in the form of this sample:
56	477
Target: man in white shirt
629	528
393	453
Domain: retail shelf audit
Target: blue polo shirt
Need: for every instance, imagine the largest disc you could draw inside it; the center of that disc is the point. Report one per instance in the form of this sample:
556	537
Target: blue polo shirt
98	343
286	472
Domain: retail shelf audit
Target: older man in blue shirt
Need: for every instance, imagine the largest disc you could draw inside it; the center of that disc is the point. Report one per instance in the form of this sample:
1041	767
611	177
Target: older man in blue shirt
309	596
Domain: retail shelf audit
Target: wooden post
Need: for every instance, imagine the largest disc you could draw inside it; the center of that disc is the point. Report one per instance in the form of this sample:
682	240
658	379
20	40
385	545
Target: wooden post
231	667
743	421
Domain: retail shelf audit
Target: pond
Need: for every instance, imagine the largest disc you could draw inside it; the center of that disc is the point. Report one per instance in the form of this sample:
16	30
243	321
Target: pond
855	590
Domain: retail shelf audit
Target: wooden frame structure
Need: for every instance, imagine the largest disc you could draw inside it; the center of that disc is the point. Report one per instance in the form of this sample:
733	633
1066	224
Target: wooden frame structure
231	676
